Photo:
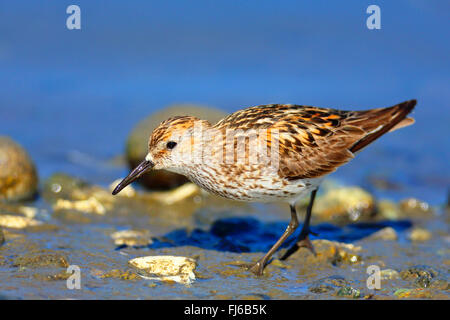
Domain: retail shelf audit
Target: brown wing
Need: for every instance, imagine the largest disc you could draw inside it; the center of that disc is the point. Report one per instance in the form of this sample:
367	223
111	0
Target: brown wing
315	141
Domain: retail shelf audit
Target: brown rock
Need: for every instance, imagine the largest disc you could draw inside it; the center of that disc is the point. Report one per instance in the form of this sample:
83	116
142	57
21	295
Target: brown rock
344	205
42	258
327	252
419	234
412	207
18	177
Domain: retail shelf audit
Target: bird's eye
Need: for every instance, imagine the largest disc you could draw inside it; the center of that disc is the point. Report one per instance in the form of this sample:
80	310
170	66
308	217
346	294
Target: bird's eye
171	144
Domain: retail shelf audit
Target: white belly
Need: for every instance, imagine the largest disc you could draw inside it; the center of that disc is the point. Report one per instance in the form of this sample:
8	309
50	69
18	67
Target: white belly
251	183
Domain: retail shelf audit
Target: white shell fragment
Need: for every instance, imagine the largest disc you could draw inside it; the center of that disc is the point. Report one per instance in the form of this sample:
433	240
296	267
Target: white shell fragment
17	222
172	268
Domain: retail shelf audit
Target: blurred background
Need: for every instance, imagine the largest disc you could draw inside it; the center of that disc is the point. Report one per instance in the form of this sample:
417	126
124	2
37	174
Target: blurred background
71	97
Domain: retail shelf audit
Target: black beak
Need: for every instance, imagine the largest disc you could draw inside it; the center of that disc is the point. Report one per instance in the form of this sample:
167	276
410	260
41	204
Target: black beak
136	173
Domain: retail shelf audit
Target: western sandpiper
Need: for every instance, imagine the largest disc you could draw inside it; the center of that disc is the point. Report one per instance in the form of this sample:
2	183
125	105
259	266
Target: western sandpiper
268	153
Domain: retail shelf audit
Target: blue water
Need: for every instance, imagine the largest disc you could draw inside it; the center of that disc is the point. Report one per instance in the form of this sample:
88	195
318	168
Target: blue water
72	96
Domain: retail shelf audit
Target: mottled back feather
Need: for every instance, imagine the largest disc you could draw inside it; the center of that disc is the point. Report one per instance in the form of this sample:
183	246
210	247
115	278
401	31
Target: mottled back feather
316	141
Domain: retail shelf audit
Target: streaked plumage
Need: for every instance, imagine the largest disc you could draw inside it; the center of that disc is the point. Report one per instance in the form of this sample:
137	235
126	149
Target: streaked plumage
310	142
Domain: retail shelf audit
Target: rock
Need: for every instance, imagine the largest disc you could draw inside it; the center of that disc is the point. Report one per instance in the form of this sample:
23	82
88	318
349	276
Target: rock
419	234
346	204
69	194
169	197
132	238
91	205
166	268
18	176
389	274
349	292
179	194
421	274
328	284
327	252
137	144
62	186
386	233
42	258
335	285
62	275
412	207
29	212
440	284
118	274
17	222
388	210
15	208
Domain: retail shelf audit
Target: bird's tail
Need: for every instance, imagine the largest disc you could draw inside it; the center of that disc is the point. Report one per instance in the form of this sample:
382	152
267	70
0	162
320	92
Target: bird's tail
377	122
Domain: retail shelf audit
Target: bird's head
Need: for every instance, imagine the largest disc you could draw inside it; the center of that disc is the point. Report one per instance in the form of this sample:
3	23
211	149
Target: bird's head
169	147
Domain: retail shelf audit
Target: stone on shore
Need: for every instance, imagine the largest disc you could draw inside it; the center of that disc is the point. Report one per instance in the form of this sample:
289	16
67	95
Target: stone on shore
42	258
17	222
328	252
387	234
18	176
132	238
419	235
344	205
166	268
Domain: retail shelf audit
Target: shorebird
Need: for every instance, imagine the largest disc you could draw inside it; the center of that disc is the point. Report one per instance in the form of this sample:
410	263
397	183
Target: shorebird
304	144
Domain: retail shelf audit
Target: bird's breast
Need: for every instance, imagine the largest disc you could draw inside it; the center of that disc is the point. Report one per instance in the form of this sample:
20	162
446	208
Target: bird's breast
248	183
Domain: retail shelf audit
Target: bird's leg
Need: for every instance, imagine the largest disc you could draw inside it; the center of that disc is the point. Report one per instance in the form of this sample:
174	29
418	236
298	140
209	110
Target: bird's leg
258	267
303	238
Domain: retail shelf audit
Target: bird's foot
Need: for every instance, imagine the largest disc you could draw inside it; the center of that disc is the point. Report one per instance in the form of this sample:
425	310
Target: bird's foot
255	268
303	241
306	243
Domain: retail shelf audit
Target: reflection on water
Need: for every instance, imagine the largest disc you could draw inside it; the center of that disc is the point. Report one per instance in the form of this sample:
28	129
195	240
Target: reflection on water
247	234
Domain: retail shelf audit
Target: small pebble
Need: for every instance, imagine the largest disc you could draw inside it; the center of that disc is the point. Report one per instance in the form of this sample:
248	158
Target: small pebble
42	258
389	274
422	275
181	193
415	207
419	234
17	222
132	238
388	234
91	205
